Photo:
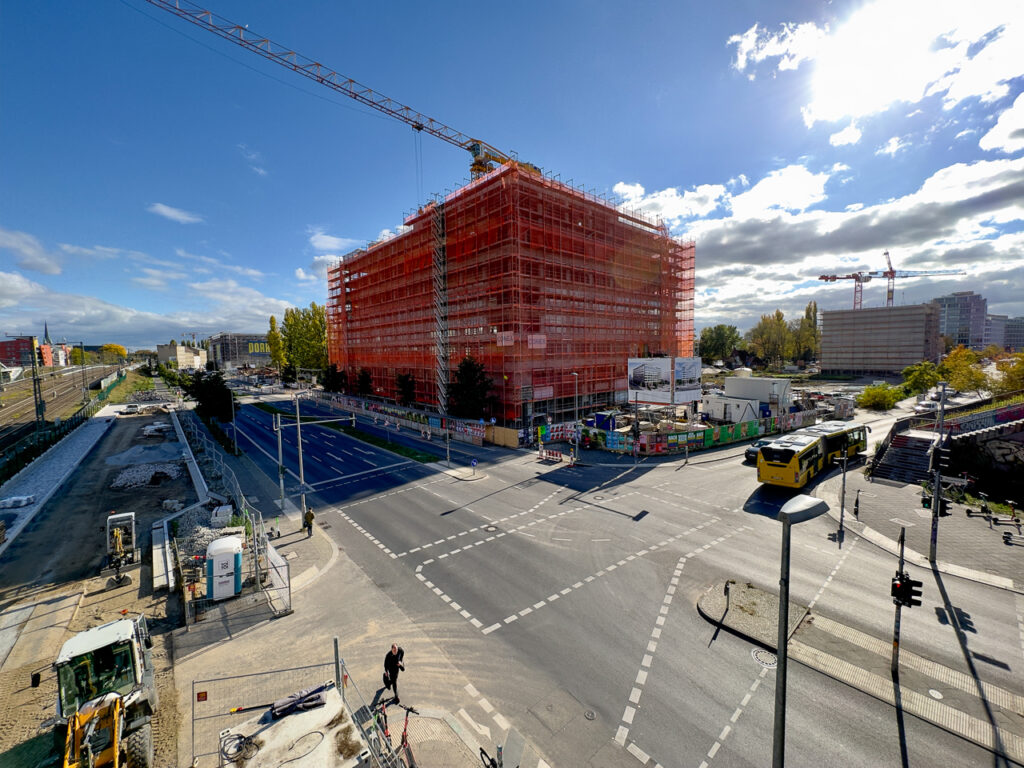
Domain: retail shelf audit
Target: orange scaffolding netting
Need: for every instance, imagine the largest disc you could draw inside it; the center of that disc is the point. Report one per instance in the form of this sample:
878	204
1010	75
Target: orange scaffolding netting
533	278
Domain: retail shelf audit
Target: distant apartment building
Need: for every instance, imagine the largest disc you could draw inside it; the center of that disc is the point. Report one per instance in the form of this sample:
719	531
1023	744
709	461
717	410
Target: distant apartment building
879	341
1013	339
230	351
19	351
962	318
181	355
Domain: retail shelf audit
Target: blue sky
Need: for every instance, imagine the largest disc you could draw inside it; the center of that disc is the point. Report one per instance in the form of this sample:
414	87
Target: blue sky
156	181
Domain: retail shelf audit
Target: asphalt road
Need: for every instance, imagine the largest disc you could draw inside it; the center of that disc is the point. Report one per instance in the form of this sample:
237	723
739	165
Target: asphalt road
567	595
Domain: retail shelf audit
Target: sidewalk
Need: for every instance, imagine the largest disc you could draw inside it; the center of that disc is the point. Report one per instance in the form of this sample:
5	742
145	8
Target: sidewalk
976	543
361	615
979	712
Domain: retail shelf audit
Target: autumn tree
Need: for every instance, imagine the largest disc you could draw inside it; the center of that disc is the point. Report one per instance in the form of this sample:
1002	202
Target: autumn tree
770	339
806	338
364	383
275	343
718	342
112	353
961	369
1010	376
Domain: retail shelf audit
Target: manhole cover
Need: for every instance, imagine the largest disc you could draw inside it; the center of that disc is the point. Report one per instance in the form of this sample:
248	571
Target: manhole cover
765	658
590	714
490	528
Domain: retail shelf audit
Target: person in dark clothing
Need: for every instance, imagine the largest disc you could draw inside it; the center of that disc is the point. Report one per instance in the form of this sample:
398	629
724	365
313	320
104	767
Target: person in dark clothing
393	662
307	521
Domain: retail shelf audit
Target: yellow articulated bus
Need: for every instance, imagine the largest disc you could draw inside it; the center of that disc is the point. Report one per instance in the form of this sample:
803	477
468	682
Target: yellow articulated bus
793	459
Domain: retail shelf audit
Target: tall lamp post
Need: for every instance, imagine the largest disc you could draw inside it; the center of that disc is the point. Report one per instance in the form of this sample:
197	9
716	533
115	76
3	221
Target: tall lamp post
576	411
796	510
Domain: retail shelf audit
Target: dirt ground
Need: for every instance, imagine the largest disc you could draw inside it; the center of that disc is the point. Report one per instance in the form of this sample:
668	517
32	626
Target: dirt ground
61	552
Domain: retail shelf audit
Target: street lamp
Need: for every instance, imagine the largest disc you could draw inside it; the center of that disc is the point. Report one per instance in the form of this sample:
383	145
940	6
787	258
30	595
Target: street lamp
576	410
796	510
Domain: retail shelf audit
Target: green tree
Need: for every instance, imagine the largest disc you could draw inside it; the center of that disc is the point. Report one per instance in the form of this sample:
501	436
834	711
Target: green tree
364	383
993	352
770	339
879	397
806	338
470	390
335	380
921	377
276	345
304	336
405	383
213	398
717	342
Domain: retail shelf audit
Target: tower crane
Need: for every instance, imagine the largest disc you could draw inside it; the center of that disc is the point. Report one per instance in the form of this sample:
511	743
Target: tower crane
484	155
890	274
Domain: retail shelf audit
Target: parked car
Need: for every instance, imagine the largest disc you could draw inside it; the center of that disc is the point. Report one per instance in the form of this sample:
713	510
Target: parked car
754	448
926	406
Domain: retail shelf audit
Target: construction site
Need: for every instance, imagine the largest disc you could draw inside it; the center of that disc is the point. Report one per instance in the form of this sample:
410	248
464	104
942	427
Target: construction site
550	288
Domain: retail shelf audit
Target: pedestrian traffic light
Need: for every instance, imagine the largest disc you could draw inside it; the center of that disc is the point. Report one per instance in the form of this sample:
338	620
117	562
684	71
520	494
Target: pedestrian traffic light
897	589
912	591
926	501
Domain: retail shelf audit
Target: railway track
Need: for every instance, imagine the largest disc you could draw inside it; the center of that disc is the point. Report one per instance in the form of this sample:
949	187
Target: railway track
61	391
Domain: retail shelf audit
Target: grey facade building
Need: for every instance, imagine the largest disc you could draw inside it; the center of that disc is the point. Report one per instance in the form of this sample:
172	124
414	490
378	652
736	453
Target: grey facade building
879	340
962	318
230	351
995	330
1013	339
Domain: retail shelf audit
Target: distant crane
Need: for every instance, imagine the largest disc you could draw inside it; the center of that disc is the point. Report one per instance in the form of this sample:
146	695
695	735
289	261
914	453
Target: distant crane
890	274
484	155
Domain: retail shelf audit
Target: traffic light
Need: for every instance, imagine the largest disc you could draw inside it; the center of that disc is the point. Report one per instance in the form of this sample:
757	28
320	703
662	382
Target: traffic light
926	501
897	589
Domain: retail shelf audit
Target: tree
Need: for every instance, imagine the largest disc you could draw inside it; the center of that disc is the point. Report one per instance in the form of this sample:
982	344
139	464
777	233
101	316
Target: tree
213	398
879	397
304	336
406	385
806	336
921	377
112	353
770	339
1011	375
276	345
718	341
364	383
335	380
993	352
961	369
470	390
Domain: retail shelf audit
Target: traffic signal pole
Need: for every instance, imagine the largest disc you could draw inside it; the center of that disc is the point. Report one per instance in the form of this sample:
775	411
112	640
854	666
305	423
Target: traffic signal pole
899	604
937	481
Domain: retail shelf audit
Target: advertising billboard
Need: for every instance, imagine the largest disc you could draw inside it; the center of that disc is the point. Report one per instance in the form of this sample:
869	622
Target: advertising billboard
687	379
650	380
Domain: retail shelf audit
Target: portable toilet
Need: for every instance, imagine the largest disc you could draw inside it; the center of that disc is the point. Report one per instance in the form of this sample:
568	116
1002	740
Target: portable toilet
224	568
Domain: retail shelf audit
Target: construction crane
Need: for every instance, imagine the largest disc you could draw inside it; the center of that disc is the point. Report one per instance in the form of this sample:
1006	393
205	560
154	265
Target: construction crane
484	155
890	274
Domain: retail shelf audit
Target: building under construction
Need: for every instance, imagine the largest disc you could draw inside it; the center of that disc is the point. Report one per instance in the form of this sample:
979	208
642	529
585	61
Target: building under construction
533	278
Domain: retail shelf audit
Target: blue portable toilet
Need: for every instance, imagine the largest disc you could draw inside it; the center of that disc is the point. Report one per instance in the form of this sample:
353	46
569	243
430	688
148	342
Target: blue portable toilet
224	568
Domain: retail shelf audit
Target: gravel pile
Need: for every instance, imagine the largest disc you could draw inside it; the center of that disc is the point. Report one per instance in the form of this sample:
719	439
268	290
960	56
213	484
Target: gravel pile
142	474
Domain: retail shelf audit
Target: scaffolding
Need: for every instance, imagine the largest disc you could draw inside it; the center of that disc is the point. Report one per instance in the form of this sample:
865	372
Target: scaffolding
535	279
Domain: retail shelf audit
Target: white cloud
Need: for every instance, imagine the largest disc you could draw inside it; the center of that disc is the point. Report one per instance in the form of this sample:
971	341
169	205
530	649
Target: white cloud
849	135
668	204
254	158
965	132
892	51
792	44
29	251
891	147
324	242
792	188
304	276
174	214
238	270
1007	135
387	234
854	207
158	279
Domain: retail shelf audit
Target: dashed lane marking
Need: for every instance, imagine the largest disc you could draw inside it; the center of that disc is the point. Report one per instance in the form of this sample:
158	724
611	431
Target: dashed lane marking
835	570
735	716
630	711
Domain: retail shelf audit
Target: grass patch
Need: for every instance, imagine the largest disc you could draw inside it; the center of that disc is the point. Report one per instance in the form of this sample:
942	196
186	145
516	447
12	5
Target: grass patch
131	383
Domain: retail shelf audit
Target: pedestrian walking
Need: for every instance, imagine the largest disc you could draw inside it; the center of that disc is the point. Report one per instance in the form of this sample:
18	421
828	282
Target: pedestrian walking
307	521
393	662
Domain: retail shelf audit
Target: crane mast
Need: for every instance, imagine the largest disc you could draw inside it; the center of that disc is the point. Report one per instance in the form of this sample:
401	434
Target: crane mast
484	155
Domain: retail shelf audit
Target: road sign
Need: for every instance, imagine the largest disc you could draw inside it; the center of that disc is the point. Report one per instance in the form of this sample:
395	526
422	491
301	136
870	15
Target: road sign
473	462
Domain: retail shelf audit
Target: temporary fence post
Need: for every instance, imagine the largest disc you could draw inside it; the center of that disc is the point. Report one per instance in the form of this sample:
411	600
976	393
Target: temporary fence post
337	669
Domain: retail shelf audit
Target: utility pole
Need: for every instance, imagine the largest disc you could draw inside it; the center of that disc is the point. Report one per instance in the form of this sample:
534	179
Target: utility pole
280	457
302	476
937	481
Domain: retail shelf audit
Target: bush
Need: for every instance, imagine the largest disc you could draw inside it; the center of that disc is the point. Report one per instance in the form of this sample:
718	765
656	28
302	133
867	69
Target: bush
880	397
